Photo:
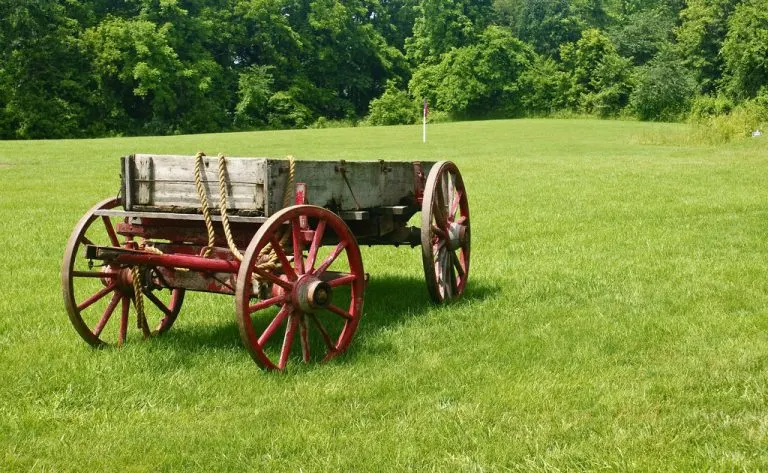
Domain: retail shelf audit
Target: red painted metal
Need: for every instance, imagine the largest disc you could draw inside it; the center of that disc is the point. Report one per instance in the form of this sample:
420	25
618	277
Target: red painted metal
301	199
304	293
192	263
301	193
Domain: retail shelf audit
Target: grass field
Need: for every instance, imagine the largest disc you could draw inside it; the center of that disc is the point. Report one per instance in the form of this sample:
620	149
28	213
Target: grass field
616	318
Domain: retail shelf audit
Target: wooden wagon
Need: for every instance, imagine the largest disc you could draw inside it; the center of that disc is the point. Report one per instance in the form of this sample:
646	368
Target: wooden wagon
245	227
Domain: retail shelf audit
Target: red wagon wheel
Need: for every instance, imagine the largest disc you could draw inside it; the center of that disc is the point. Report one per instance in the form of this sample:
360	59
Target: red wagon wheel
93	293
445	235
317	296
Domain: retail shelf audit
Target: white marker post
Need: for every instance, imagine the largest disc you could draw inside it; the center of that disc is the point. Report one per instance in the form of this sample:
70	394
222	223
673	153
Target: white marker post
424	132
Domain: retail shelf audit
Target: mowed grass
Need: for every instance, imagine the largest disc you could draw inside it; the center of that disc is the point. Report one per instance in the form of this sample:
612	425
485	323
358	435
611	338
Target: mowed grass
615	318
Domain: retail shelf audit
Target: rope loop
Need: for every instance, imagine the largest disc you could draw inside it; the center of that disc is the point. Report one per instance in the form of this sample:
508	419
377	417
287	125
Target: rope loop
204	204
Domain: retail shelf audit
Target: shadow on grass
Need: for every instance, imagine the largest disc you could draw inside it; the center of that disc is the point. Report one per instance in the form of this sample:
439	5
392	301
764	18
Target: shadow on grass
389	301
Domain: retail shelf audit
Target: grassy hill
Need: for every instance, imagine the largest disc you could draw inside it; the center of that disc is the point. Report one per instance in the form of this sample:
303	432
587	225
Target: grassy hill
615	318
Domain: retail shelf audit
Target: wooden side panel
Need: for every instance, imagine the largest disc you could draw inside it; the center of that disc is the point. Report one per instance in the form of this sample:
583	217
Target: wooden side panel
160	182
255	186
351	185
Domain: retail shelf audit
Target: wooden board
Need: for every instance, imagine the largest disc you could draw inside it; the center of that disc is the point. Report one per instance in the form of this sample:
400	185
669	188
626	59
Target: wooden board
255	186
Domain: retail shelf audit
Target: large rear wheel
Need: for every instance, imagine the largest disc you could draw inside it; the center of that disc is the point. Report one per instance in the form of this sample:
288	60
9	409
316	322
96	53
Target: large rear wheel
445	232
314	296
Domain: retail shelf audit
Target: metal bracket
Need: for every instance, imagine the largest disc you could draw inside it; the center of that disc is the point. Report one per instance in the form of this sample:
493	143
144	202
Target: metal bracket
301	199
419	181
343	171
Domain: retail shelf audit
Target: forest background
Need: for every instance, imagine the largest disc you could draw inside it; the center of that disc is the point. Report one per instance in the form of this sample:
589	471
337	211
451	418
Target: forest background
87	68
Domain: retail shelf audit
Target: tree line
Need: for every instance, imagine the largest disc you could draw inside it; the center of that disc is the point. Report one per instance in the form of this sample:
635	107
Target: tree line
82	68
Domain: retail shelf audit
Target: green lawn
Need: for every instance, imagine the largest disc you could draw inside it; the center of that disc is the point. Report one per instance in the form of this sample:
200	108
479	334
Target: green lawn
615	318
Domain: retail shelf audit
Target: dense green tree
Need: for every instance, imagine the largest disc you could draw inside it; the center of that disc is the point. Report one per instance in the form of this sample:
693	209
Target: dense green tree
477	80
545	24
599	79
700	38
644	33
43	93
394	107
663	90
745	50
442	25
544	87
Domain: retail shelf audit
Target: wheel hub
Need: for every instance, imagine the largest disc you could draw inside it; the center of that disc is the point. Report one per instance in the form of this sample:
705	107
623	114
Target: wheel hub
311	293
457	236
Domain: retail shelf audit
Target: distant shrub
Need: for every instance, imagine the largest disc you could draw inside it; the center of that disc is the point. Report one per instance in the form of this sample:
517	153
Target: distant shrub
663	89
740	122
543	87
323	122
438	116
707	106
287	112
394	107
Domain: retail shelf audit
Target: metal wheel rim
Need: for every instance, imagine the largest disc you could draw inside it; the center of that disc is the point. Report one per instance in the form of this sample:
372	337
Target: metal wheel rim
119	297
446	279
292	316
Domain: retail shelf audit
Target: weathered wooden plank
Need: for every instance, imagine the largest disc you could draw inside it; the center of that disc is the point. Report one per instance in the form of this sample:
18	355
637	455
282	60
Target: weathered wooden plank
167	181
394	209
176	216
350	185
255	186
354	214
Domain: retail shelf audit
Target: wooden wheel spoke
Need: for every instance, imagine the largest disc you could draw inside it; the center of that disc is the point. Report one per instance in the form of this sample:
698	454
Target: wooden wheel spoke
439	232
158	303
298	246
110	231
304	335
447	269
452	280
331	258
457	264
290	331
96	297
86	241
284	312
323	332
438	211
439	249
339	311
93	274
343	280
455	204
317	240
107	314
266	274
265	303
283	258
123	334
